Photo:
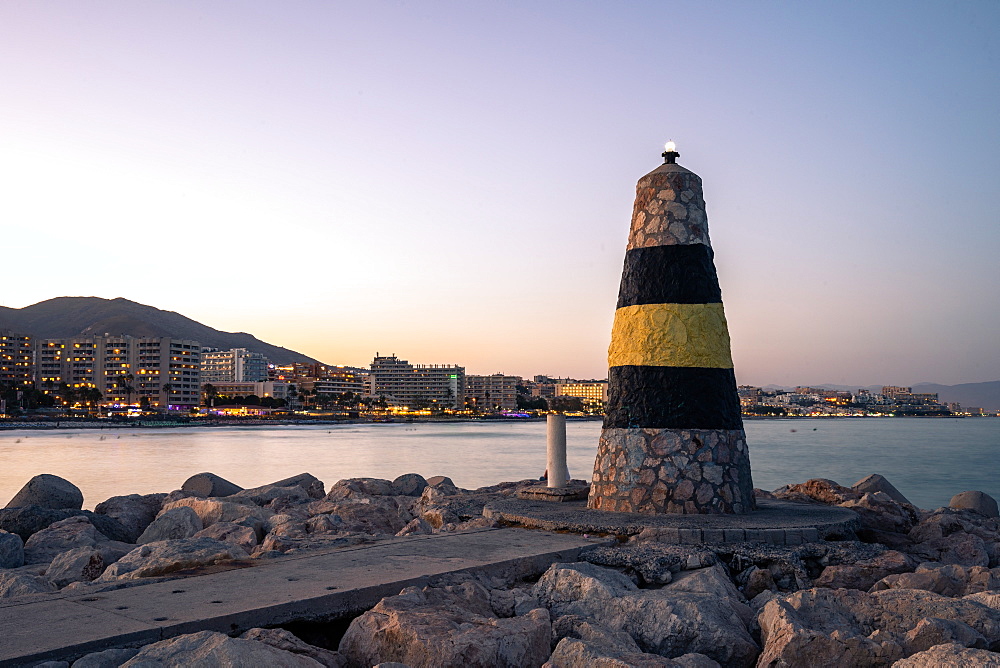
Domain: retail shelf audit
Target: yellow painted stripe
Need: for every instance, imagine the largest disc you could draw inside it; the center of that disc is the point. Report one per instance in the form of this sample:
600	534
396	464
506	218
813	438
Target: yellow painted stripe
683	335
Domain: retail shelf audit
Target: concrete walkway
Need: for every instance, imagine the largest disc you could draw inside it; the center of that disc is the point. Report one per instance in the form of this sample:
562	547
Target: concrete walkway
310	587
775	522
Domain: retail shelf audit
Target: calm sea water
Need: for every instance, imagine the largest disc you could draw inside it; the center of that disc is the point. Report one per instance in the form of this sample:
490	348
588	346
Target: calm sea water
928	460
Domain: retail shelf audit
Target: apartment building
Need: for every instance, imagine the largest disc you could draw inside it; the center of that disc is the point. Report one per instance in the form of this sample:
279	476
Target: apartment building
126	370
592	393
16	359
237	365
417	385
490	393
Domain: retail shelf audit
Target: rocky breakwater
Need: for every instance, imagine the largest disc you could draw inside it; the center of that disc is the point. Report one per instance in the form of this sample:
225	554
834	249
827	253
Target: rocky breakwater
913	587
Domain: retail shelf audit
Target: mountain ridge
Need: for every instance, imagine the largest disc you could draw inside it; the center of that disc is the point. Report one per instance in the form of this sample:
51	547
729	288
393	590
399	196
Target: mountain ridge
67	317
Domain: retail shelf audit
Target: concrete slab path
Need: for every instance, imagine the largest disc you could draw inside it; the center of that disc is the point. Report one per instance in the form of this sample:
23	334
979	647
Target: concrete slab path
313	586
775	522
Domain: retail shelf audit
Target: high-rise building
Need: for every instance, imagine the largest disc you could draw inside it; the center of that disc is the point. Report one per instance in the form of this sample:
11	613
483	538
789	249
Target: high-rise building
592	393
124	369
237	365
495	392
417	385
16	359
340	379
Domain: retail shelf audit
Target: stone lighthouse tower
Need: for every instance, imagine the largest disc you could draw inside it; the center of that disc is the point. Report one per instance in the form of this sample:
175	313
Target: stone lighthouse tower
673	438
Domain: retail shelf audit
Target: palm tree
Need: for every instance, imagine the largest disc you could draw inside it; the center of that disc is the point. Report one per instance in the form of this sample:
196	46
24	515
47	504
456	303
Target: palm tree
210	394
128	387
167	389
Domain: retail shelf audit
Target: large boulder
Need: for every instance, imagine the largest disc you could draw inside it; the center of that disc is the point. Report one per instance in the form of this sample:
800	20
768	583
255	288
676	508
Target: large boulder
288	495
209	484
877	483
210	648
307	481
135	512
167	556
881	513
285	640
109	658
67	534
662	622
951	655
28	520
817	489
409	484
81	564
450	626
940	536
359	488
48	491
179	522
590	645
210	511
944	579
382	515
11	550
235	534
836	627
980	502
14	584
864	573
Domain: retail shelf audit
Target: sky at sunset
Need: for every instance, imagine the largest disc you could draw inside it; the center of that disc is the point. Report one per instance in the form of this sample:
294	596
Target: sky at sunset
452	182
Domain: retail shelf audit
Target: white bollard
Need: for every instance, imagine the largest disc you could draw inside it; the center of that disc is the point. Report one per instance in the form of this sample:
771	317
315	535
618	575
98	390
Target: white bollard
558	471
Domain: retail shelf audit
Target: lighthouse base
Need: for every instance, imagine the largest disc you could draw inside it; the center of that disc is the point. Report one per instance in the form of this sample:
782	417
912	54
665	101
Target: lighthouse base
683	471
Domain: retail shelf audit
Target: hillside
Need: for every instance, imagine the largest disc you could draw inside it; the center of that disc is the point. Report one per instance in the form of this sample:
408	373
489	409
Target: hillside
64	317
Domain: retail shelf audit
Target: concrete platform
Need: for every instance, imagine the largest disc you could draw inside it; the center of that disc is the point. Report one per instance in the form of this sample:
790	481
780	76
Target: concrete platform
316	586
774	522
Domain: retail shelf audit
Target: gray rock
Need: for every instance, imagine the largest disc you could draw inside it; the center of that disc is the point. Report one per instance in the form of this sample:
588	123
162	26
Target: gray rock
67	534
931	631
439	480
180	522
978	501
260	496
285	640
877	483
864	573
209	484
445	626
134	512
378	515
945	579
81	564
109	658
819	626
952	655
409	484
416	527
48	491
359	488
591	645
235	534
14	584
11	550
167	556
307	481
661	622
52	664
210	511
209	648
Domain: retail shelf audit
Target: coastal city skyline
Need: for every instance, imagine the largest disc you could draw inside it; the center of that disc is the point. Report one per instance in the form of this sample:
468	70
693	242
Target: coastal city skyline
454	182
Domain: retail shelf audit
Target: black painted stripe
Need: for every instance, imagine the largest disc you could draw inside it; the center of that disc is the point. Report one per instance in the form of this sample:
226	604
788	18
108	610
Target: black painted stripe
663	397
669	275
